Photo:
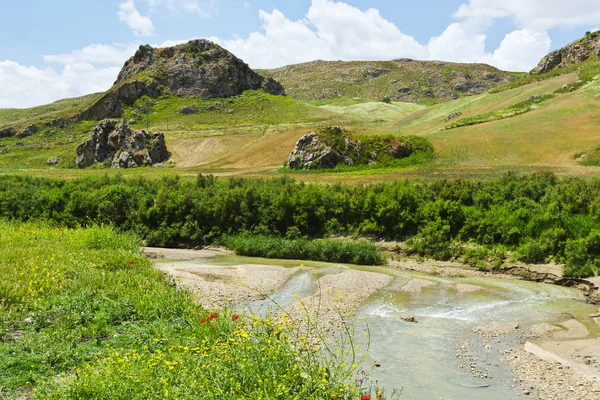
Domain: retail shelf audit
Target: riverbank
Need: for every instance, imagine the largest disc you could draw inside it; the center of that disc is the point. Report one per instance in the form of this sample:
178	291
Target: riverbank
341	292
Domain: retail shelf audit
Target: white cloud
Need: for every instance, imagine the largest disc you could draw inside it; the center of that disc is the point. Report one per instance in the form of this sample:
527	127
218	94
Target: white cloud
337	31
128	14
521	50
537	14
458	43
96	54
331	30
22	86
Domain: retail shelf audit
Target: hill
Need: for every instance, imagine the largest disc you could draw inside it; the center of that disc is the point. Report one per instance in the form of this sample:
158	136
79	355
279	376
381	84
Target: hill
400	80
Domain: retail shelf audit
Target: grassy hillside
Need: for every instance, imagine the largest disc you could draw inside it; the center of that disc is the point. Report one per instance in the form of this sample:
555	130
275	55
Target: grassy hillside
50	112
402	80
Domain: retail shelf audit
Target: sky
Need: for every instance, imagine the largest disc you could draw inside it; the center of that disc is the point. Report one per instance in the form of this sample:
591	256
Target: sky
55	49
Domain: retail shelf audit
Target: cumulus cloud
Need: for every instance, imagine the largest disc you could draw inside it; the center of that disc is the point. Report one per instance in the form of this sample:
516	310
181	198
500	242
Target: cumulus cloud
535	14
22	86
521	50
331	30
128	14
338	31
96	54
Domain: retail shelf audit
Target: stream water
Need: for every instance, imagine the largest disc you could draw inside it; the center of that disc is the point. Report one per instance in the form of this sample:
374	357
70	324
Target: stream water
428	359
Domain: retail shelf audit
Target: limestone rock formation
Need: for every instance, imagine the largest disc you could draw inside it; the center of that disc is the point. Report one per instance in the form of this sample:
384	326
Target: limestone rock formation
333	146
572	54
198	68
117	146
313	152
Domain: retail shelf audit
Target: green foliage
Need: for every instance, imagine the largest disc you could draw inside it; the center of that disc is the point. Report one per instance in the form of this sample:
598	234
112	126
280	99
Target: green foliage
508	112
361	253
536	217
84	316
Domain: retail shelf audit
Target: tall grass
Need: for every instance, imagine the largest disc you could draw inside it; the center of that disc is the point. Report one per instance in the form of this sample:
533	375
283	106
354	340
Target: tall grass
361	253
84	316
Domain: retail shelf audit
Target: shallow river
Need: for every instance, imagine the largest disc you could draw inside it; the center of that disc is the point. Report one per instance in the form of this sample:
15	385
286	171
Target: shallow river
425	358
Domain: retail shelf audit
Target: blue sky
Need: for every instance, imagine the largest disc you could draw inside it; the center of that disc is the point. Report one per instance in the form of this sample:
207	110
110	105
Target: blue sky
51	50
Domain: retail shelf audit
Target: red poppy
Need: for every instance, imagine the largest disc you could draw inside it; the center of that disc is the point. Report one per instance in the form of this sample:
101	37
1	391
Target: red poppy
130	262
365	397
212	316
235	317
203	320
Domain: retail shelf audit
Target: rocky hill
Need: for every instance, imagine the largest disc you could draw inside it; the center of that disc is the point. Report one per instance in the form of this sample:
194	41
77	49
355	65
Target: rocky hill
572	54
401	80
198	68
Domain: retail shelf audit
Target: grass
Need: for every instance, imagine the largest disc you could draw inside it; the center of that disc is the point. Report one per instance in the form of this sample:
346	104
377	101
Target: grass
427	80
253	108
360	253
83	315
508	112
50	112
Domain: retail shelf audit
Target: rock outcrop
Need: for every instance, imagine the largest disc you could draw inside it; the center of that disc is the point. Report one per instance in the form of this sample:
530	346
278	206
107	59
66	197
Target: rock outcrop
572	54
198	68
28	131
7	132
334	146
117	146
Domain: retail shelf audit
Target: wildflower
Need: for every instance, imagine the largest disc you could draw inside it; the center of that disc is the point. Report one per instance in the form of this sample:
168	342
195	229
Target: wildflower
235	317
212	316
130	262
379	394
203	320
365	397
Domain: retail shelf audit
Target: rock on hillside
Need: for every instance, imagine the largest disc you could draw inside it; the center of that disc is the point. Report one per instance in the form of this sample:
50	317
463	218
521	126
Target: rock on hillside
334	146
198	68
402	79
572	54
117	146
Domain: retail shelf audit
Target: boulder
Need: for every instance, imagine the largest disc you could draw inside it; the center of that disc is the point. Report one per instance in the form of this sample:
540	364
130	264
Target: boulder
54	161
187	110
7	132
410	319
334	146
453	115
85	154
116	145
313	152
30	130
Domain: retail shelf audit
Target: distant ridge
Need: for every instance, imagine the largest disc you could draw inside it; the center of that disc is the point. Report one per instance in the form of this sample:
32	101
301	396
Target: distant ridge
401	79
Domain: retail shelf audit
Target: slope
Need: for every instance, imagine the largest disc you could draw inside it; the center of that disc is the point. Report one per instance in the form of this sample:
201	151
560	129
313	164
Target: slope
401	80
